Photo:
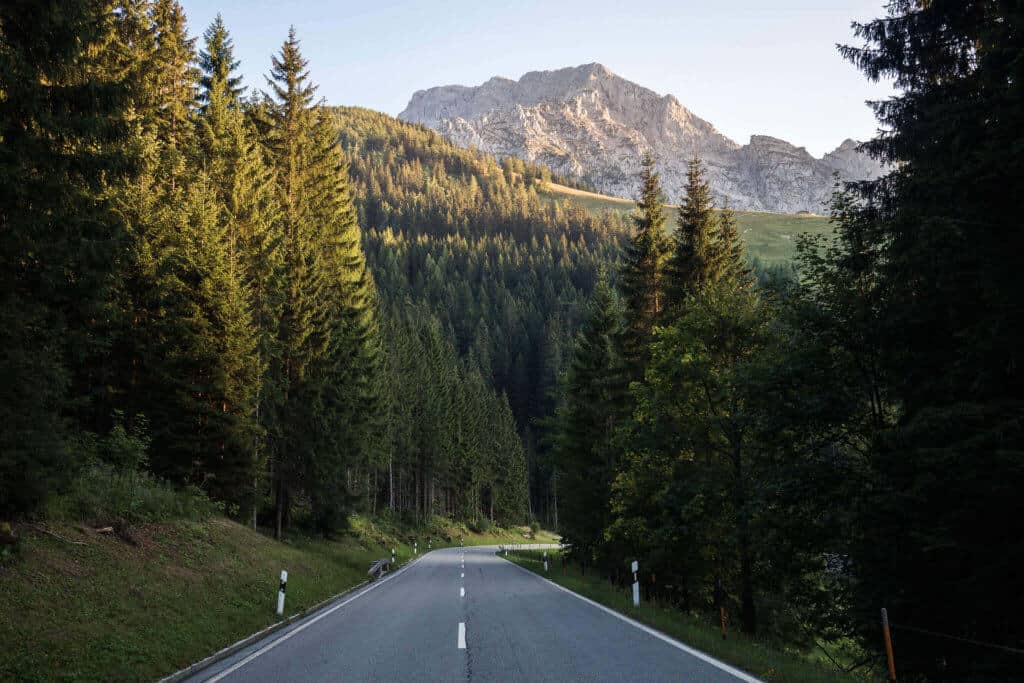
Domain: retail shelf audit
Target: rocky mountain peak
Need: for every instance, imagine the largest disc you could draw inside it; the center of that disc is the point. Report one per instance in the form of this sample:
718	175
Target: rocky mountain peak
587	121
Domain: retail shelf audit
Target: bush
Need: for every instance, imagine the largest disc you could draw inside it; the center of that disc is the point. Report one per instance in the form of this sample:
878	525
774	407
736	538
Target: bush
102	495
534	527
114	489
481	526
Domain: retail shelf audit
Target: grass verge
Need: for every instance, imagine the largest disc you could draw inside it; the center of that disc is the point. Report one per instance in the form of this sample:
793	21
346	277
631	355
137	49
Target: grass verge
752	655
76	605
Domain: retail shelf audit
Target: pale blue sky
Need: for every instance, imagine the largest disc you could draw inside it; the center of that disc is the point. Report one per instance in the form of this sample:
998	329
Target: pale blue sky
747	66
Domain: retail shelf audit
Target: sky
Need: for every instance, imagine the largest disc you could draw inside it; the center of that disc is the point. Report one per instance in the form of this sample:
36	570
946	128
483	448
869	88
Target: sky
746	66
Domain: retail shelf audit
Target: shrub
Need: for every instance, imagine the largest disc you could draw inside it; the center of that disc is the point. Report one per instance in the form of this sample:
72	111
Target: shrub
114	489
103	495
481	525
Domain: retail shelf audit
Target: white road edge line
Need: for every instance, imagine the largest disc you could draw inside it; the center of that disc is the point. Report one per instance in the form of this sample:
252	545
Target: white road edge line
301	627
742	675
462	635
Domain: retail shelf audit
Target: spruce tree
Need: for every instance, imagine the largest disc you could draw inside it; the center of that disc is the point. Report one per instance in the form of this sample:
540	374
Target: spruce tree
643	266
946	221
730	258
158	336
329	337
243	184
218	64
595	396
693	259
64	123
175	84
304	324
706	246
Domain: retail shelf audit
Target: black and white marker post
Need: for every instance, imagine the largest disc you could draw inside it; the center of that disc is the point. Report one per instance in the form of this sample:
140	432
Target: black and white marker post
545	561
280	593
636	584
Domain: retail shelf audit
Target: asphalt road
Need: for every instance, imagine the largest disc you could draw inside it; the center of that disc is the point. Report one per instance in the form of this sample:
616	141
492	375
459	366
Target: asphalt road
466	615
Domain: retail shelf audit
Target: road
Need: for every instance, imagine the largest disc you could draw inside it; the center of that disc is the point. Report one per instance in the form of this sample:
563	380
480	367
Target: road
457	615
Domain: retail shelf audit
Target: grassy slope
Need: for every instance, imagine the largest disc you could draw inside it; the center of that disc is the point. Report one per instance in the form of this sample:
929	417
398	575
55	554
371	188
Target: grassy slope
110	610
755	656
769	236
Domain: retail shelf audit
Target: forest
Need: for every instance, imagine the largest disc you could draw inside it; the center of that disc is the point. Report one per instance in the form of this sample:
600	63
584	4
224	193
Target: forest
187	291
295	311
801	454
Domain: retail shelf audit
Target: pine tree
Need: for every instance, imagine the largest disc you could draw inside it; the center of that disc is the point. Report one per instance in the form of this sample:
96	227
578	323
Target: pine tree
304	325
583	453
729	253
245	243
330	343
65	129
643	266
694	243
158	337
945	220
706	246
175	84
218	64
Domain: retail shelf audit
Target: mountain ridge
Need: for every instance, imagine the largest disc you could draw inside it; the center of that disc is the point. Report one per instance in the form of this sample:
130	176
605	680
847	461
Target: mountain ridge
588	122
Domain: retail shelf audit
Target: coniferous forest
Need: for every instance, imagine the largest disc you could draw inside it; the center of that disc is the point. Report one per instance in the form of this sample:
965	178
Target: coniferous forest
299	311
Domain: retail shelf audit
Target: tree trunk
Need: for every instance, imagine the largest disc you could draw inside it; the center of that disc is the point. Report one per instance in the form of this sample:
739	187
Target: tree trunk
255	497
279	505
748	613
554	489
391	482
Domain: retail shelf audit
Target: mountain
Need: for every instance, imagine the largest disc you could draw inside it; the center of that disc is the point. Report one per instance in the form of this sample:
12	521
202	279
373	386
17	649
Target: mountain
589	123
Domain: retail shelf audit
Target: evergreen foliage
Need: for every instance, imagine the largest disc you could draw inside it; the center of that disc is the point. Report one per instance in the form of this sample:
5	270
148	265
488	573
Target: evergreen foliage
64	143
584	452
706	246
643	268
305	310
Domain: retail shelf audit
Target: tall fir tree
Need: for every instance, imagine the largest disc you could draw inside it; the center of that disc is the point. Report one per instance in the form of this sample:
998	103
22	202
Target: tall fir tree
65	128
946	221
304	334
329	336
643	268
729	252
694	242
218	64
245	237
706	246
583	452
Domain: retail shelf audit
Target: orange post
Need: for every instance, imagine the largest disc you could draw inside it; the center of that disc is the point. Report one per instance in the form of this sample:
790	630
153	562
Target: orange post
721	611
888	645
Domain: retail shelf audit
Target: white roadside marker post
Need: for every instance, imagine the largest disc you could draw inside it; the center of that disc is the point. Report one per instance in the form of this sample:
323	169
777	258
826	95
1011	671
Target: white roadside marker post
545	561
280	593
636	584
392	556
415	549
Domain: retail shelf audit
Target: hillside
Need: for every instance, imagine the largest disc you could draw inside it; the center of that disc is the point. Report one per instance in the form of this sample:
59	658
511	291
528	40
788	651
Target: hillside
453	235
587	122
502	258
768	237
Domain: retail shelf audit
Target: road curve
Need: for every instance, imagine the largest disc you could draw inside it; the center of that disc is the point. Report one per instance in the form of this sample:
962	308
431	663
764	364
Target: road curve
466	615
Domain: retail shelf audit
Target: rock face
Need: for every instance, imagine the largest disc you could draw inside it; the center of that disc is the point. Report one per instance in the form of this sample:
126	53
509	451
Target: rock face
587	122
